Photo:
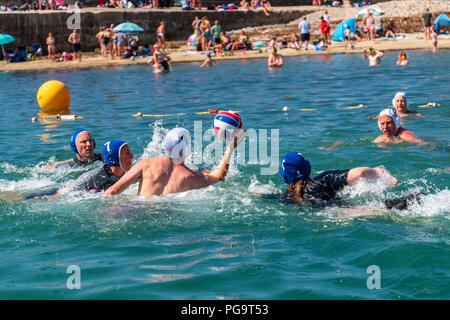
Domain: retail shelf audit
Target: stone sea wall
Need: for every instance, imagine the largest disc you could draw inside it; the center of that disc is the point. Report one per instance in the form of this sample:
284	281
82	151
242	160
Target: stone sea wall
33	27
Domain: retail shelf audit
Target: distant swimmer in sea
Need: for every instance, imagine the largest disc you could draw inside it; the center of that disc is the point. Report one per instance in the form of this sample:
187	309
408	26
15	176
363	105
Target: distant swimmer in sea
400	103
160	61
83	145
275	59
168	174
295	171
402	61
208	61
118	160
374	56
389	124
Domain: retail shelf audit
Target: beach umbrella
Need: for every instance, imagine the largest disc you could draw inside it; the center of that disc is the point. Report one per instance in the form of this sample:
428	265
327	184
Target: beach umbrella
377	12
128	27
5	39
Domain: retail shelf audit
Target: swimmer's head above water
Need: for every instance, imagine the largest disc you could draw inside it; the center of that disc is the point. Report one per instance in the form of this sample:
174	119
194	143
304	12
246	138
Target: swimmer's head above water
83	144
177	144
294	167
400	102
117	154
388	122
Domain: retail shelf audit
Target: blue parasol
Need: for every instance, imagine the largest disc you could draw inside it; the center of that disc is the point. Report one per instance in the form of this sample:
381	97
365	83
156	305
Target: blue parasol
128	27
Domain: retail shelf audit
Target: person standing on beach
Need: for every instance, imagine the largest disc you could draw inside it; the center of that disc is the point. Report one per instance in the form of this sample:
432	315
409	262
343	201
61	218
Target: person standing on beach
51	46
304	27
75	40
161	36
427	18
348	37
325	31
434	38
216	29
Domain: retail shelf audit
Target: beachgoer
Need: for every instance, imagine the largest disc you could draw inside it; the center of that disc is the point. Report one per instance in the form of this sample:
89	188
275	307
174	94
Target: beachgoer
121	43
273	43
118	160
325	31
427	21
390	29
83	145
155	4
400	103
295	41
373	55
168	174
434	36
160	35
296	170
241	42
216	29
264	5
348	38
207	39
389	124
244	5
275	59
369	24
101	41
159	59
304	30
51	47
402	61
75	40
208	61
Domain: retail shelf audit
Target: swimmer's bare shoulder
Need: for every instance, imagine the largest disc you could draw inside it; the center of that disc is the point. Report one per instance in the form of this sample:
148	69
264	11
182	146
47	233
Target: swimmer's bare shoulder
136	173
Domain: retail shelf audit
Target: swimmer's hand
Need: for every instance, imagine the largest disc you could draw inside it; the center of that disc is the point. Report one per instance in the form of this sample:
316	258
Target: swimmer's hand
237	137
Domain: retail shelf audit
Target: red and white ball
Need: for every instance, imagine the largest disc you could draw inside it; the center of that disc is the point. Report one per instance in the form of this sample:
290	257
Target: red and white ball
226	123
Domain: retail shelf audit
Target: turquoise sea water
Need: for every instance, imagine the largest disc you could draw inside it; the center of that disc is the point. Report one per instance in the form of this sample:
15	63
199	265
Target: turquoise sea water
226	241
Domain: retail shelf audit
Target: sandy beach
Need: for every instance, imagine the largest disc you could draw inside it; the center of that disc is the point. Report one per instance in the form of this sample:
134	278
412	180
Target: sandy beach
183	53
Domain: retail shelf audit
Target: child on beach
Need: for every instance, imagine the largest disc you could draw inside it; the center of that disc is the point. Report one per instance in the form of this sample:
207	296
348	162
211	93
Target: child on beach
348	37
434	38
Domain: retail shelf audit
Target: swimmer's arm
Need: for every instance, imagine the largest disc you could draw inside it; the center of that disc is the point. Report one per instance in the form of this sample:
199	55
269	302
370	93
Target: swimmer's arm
221	171
409	136
132	176
380	138
335	145
57	164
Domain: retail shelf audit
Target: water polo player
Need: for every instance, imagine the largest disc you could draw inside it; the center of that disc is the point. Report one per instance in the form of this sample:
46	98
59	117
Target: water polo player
118	159
295	171
83	145
389	124
168	174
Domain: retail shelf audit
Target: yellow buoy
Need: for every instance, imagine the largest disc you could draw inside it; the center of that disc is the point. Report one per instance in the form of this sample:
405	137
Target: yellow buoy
53	96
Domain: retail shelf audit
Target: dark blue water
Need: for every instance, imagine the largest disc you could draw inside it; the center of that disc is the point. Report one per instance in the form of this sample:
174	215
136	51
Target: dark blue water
226	241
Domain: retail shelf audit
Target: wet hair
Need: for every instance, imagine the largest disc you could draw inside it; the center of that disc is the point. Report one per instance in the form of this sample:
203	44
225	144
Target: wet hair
294	192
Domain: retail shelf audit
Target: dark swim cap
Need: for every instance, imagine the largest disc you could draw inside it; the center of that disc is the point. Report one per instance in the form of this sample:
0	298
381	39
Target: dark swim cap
294	167
111	152
73	141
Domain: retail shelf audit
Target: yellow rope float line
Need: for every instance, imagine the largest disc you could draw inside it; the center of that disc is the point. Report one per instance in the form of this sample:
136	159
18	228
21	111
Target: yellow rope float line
212	111
307	109
430	104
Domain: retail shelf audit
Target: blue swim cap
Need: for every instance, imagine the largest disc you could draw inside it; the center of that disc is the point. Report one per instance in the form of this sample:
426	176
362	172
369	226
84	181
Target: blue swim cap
294	167
111	152
73	141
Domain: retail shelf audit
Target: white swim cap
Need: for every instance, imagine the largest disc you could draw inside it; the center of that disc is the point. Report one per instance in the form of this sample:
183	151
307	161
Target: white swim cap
398	94
177	144
391	113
